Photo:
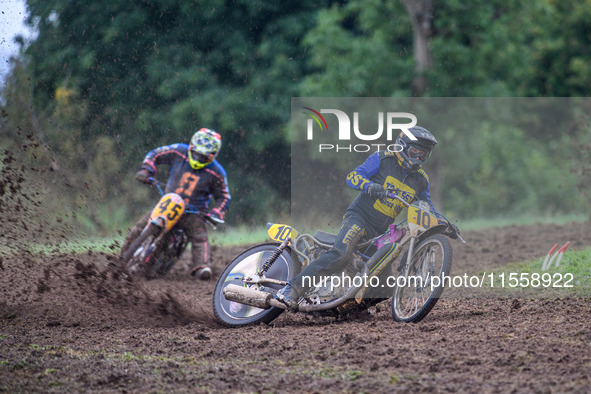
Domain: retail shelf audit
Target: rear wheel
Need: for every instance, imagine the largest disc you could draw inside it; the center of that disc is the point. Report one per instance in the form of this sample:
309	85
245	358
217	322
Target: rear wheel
247	263
415	296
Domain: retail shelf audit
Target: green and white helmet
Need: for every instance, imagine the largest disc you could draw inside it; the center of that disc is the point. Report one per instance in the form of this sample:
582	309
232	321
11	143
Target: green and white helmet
204	147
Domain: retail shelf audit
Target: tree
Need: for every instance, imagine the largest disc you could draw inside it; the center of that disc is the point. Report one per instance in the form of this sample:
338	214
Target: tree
421	17
148	73
562	54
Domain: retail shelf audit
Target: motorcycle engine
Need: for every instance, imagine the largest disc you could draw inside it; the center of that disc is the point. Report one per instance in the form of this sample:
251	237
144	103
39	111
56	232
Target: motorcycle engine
336	285
178	243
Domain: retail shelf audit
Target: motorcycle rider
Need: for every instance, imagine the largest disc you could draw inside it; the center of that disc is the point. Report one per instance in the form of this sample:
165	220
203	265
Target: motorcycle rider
196	176
372	211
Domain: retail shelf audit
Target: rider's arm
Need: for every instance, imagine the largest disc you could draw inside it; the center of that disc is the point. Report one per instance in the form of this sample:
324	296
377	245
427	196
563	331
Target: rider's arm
220	192
358	179
426	196
163	155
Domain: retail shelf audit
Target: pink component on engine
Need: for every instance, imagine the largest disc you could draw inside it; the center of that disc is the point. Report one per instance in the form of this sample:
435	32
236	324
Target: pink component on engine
394	235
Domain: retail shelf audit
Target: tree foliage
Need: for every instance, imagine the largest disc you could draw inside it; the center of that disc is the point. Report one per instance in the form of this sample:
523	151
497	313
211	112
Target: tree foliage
141	74
492	48
105	82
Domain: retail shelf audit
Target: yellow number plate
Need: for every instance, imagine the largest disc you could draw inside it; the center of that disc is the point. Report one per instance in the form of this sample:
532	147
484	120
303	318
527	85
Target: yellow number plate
422	219
280	232
169	210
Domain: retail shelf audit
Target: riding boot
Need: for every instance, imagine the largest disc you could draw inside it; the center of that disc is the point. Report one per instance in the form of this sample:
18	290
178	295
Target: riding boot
289	296
201	261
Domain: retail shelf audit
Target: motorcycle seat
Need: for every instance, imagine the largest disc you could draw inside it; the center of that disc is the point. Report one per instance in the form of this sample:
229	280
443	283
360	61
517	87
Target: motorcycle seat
325	238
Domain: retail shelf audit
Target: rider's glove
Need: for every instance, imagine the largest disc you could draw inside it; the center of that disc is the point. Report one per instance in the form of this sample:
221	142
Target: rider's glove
377	191
217	216
143	176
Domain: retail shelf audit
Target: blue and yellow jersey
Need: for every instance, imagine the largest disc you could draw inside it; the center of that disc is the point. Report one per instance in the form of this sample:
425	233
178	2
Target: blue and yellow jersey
195	186
384	168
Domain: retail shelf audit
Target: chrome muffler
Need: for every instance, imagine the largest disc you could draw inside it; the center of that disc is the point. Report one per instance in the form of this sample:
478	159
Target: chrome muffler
252	297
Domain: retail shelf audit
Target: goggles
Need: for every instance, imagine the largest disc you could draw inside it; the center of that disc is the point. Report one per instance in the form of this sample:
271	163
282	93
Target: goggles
414	152
200	157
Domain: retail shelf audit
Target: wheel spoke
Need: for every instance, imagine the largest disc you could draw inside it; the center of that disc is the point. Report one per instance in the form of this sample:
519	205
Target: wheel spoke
414	300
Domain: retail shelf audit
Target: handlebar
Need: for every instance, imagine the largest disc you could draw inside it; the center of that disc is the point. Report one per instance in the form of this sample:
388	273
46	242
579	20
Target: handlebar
154	182
206	217
452	230
397	197
213	221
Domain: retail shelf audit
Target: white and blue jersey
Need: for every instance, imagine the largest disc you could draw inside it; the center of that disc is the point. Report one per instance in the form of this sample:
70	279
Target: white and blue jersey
384	169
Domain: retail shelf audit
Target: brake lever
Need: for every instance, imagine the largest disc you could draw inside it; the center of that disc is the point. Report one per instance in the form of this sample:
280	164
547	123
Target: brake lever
461	239
212	222
456	231
154	182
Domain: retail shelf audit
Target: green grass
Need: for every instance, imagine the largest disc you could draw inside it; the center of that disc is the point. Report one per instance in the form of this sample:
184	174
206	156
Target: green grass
243	235
230	236
480	223
524	220
85	245
574	271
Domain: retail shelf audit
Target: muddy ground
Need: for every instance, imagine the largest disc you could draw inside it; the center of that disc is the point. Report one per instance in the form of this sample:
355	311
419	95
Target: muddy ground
67	326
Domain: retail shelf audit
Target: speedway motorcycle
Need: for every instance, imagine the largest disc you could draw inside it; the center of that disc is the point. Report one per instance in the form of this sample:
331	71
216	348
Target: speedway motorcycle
161	243
246	291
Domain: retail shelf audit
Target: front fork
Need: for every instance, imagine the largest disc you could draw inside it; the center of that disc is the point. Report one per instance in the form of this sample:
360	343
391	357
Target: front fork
158	233
406	265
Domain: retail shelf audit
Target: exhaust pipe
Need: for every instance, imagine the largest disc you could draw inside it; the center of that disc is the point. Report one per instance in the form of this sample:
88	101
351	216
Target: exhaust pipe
264	300
252	297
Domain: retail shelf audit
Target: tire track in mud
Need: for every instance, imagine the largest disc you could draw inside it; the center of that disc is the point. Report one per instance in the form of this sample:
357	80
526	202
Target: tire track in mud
63	289
81	291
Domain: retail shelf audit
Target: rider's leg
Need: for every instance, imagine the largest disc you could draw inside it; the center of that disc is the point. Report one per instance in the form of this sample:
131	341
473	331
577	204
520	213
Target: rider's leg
336	258
200	266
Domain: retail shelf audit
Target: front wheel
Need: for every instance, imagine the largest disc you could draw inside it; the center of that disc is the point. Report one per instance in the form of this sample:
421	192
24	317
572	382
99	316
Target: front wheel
247	263
417	294
140	249
167	253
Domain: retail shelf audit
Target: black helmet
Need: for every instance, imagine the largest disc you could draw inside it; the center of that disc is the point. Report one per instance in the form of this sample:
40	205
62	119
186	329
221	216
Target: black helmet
414	153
